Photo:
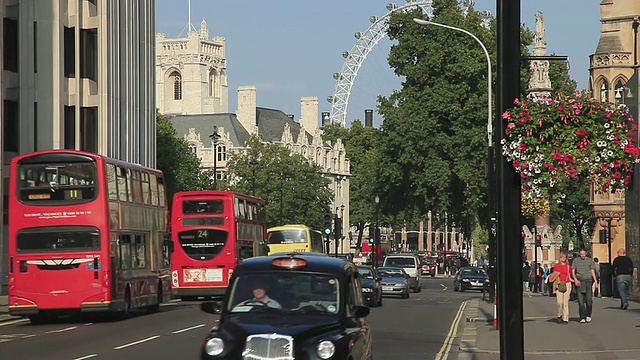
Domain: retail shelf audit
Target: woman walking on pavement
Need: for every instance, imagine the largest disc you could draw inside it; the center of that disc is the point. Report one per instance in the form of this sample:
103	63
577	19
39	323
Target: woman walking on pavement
562	287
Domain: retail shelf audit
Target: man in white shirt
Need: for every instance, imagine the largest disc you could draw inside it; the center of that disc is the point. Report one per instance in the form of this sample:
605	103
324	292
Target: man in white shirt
260	297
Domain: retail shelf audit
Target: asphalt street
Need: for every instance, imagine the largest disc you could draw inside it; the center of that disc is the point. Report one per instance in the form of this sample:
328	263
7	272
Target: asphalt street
423	326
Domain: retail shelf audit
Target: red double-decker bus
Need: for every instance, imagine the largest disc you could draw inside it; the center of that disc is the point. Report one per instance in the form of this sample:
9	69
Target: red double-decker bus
212	231
86	233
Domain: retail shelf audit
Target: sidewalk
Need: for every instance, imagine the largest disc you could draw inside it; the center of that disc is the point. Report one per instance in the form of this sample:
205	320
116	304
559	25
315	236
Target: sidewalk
4	310
612	334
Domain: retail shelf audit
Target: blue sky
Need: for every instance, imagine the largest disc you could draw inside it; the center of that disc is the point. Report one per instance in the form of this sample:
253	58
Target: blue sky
292	48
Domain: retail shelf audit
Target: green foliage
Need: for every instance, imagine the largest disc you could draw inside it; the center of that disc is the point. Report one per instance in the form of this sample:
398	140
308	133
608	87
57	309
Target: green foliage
574	214
362	146
182	169
434	141
284	180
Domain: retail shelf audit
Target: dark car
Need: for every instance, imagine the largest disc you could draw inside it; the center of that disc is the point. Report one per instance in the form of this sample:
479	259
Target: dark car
428	266
394	281
371	287
471	278
295	306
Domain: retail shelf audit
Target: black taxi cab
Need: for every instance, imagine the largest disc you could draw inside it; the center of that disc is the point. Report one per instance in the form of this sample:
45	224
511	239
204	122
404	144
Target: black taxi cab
290	306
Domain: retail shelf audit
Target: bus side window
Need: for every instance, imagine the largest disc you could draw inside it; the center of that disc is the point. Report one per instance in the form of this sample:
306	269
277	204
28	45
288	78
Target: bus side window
154	190
112	189
129	185
161	191
125	251
140	251
145	188
122	184
245	252
137	190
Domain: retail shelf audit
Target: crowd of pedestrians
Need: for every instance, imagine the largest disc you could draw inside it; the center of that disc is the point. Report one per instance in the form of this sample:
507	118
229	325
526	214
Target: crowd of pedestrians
577	279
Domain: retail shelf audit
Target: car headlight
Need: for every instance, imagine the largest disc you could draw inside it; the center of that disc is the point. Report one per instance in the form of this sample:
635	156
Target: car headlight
367	290
399	284
465	280
214	346
326	349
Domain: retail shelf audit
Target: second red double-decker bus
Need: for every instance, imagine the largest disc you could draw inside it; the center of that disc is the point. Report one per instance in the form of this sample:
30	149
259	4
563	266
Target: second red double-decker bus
86	233
212	231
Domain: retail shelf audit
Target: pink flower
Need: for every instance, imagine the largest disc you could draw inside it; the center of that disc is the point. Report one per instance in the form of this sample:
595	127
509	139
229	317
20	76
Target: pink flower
557	155
561	107
522	147
617	175
506	115
581	132
516	163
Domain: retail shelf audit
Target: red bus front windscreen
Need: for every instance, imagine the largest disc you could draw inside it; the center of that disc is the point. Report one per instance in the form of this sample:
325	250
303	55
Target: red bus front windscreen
203	244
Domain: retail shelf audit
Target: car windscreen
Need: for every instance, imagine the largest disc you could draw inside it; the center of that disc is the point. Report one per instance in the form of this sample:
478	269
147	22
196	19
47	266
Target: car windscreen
472	272
382	272
300	293
405	262
366	273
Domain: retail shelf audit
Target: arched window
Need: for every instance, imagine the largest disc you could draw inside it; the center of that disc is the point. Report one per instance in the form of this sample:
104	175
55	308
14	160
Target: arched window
604	91
177	86
212	83
192	147
222	153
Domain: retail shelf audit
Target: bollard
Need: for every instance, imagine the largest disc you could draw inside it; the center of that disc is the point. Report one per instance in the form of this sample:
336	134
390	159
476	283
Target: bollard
495	313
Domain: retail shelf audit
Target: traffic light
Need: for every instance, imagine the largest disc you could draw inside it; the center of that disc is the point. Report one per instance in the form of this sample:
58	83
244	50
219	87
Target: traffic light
371	234
538	241
377	237
327	223
603	236
337	230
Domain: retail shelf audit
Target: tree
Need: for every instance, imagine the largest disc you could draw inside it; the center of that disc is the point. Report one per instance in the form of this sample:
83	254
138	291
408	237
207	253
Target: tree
574	213
433	153
287	182
182	169
362	148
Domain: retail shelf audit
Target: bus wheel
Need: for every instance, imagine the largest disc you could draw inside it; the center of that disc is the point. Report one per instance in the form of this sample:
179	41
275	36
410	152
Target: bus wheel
156	307
37	319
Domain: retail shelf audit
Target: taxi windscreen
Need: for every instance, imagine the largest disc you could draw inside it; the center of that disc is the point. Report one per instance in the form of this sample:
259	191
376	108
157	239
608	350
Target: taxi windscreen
302	293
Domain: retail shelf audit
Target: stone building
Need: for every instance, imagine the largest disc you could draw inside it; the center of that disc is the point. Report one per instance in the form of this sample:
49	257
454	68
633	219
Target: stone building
611	69
191	88
191	73
303	137
73	79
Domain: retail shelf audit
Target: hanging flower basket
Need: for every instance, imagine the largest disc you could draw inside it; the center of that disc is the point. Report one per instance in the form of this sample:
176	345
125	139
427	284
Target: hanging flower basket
569	138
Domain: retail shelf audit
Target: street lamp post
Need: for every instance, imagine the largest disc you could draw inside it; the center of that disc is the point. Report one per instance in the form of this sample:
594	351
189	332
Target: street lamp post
281	183
253	164
337	233
215	137
491	153
375	232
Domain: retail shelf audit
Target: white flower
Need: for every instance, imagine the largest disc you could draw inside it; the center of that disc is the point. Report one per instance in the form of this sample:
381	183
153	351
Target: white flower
611	137
606	125
597	159
609	153
601	143
586	159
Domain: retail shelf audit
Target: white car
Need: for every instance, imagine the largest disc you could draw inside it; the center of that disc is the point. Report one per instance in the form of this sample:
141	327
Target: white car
411	265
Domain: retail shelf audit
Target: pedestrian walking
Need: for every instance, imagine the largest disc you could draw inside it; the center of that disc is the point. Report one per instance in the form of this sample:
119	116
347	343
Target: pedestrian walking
525	276
584	274
545	282
622	270
596	285
561	279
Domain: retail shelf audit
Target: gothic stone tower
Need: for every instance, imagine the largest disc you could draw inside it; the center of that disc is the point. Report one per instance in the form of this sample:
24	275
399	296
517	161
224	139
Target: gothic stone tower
191	73
611	67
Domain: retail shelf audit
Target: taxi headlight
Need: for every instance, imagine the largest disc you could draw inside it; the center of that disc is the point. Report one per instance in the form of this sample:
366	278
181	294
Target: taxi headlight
326	349
214	346
367	290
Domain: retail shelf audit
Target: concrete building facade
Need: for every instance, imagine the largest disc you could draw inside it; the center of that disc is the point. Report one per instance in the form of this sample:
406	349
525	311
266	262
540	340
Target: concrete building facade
77	74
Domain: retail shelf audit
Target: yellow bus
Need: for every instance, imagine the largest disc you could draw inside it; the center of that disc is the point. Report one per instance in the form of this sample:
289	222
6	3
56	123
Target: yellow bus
294	238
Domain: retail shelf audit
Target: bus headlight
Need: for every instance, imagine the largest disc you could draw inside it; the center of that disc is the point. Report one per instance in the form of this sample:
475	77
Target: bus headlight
326	349
214	346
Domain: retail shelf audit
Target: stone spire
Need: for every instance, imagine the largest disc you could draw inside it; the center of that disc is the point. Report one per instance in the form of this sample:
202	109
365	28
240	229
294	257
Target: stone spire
539	83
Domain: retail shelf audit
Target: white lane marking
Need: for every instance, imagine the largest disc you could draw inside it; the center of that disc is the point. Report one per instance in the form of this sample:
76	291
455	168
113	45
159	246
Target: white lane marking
187	329
62	330
5	340
86	357
13	322
28	336
136	342
448	341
